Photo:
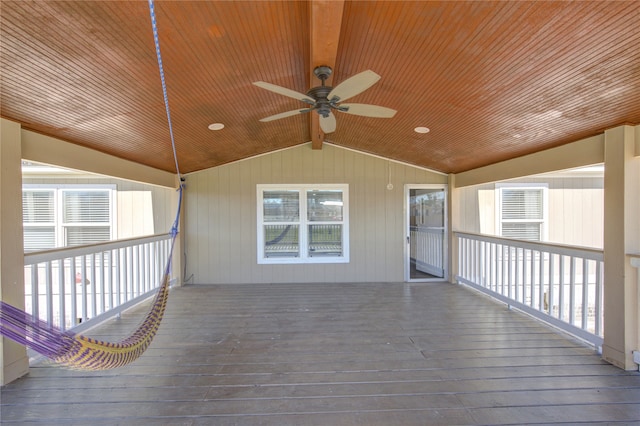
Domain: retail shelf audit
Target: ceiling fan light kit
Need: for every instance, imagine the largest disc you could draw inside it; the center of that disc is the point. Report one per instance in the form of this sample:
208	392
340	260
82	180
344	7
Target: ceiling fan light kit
324	99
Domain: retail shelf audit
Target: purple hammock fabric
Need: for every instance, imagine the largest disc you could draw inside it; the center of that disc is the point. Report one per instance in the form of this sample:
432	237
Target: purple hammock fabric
32	332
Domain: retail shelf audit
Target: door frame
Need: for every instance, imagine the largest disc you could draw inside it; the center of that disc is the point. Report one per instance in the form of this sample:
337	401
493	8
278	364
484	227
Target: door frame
407	232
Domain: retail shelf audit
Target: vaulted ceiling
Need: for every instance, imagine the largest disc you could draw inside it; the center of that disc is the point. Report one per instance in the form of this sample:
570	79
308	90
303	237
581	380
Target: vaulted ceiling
491	80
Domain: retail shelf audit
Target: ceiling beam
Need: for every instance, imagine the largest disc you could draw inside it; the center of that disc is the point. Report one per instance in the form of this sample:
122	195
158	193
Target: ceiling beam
325	21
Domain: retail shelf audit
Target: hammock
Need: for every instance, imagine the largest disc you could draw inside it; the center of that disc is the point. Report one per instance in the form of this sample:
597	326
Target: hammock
80	352
85	353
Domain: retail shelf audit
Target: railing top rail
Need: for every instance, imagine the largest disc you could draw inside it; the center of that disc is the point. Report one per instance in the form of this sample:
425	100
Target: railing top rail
584	252
425	228
67	252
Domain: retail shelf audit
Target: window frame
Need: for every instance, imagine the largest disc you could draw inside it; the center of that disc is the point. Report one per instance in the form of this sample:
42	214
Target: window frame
60	226
303	224
544	221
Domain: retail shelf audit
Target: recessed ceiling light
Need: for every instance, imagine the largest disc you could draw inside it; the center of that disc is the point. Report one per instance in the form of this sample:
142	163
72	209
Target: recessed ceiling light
216	126
421	130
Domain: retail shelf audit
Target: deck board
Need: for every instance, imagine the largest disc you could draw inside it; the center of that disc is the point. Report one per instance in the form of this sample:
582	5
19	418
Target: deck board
334	354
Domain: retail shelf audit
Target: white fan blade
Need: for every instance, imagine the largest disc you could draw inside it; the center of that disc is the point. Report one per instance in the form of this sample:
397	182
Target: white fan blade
285	92
328	124
286	114
369	110
354	85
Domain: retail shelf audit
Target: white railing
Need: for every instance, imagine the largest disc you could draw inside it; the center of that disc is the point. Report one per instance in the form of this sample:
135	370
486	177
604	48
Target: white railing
427	248
561	285
85	284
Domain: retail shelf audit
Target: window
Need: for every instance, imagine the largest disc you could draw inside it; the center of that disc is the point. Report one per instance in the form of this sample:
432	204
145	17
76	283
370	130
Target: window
58	216
303	223
522	212
86	216
38	216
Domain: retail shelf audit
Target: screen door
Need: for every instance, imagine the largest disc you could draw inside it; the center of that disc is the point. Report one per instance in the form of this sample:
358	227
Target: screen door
425	258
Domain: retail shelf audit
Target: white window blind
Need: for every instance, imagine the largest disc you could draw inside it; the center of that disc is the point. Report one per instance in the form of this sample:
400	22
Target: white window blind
522	213
522	231
86	206
81	235
522	204
38	207
38	212
86	216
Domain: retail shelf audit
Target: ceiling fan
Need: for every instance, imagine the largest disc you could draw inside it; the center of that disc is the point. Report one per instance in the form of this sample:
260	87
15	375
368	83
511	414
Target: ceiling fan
324	99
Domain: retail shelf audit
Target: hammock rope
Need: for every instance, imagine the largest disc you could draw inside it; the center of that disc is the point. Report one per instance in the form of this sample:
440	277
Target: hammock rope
85	353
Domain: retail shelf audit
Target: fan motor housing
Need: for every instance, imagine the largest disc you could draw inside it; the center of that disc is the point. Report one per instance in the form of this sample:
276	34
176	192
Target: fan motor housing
320	93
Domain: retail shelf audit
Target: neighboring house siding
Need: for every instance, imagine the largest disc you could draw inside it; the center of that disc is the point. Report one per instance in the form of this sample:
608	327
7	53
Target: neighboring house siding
221	241
575	210
141	209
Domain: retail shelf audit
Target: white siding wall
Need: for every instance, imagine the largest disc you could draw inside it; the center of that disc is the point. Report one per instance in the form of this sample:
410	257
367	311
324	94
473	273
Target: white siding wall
141	209
576	206
220	209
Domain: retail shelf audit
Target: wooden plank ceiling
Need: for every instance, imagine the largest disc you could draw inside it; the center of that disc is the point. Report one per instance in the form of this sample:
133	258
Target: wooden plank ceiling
491	80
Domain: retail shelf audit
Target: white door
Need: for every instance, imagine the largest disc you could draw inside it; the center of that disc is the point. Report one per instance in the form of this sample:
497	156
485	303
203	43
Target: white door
425	254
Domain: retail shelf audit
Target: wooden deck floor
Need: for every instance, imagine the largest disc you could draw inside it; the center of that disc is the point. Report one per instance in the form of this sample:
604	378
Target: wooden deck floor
335	354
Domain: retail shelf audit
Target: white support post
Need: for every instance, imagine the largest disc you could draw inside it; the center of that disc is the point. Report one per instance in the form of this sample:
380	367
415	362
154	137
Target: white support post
177	261
621	237
13	357
635	262
454	222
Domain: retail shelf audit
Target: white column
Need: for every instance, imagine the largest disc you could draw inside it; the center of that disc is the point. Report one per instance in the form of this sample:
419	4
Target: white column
13	357
635	262
177	264
453	220
621	238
